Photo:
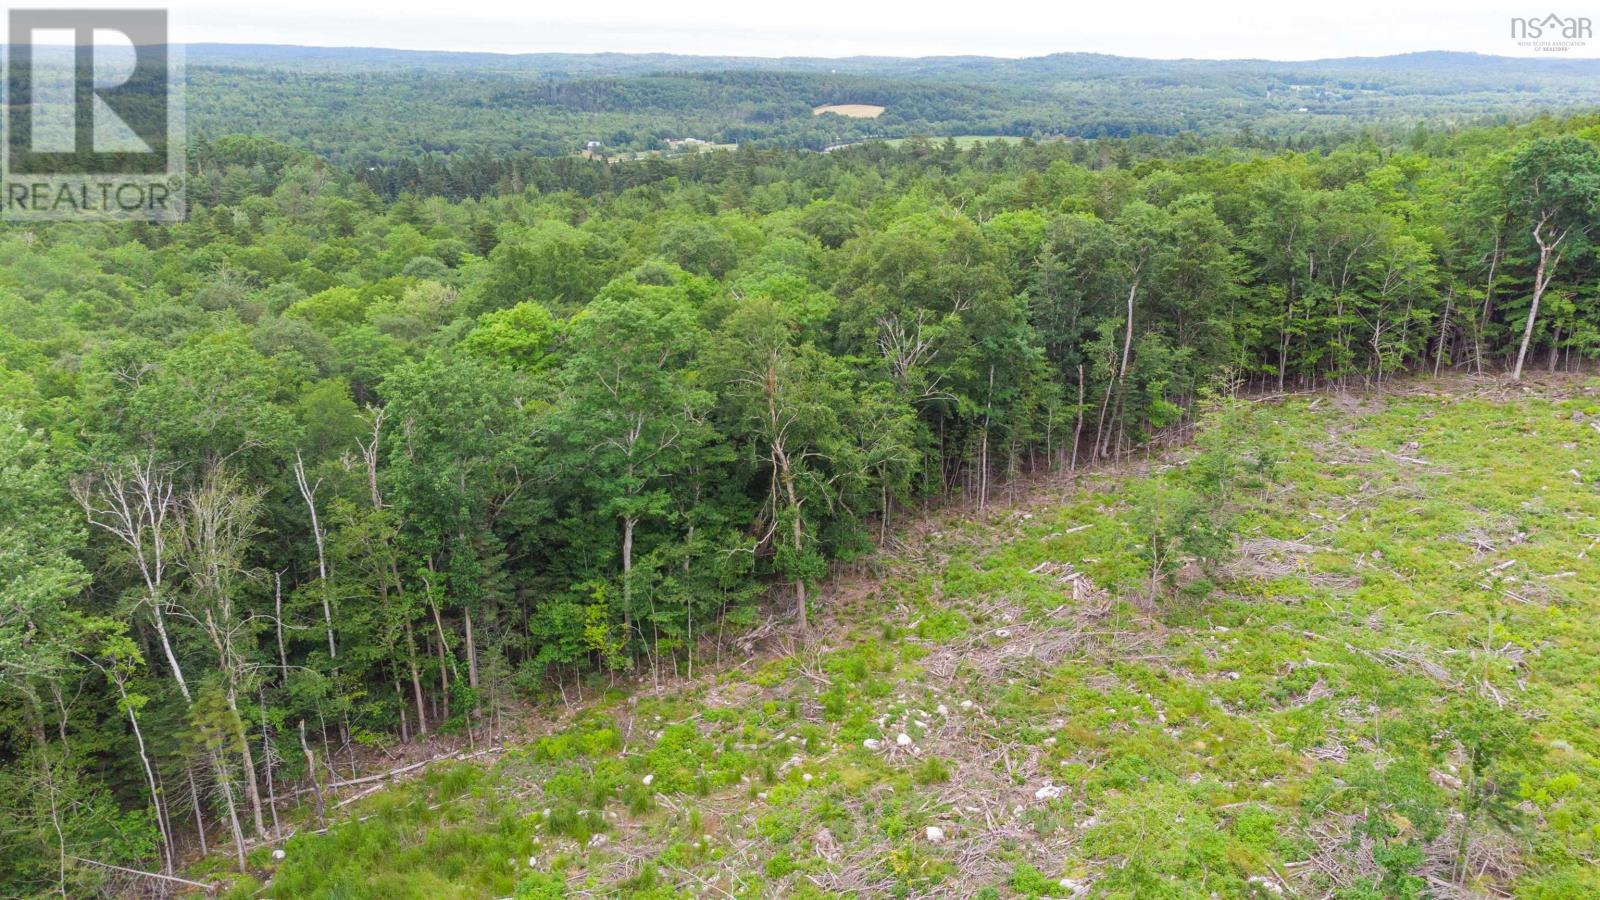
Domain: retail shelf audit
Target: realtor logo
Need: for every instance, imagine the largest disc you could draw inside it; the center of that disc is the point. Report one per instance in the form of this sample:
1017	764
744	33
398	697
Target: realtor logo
1552	33
94	116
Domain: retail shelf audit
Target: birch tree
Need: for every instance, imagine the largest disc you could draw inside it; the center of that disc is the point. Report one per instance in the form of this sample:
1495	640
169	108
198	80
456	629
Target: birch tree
1555	189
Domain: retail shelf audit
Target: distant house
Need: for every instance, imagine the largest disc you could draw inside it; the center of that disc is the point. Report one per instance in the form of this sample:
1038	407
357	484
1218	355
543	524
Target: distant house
592	145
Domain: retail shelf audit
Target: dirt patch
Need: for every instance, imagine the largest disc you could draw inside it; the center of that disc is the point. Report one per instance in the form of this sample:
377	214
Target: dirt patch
850	110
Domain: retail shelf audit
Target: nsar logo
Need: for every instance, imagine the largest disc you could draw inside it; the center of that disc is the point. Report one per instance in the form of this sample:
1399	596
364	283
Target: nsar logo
1552	33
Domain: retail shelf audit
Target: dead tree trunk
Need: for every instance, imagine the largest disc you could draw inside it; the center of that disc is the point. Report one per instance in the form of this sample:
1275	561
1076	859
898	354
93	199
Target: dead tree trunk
416	679
1488	304
1122	370
311	772
444	665
1549	260
252	787
194	800
225	782
162	822
267	759
1077	431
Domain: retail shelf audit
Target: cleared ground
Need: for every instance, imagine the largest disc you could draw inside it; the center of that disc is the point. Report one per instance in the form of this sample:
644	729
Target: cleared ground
850	110
1392	691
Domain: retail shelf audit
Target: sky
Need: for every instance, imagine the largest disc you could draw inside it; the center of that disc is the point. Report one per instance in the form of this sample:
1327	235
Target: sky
1270	29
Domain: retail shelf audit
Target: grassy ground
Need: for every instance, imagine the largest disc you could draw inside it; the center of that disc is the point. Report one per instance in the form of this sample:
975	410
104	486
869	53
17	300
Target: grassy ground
1394	691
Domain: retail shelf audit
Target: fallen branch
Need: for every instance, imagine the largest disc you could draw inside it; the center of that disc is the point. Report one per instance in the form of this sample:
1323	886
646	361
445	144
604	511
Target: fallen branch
208	888
385	776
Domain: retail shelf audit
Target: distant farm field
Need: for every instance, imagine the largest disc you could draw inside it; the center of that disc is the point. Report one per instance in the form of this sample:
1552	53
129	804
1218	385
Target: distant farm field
853	110
963	141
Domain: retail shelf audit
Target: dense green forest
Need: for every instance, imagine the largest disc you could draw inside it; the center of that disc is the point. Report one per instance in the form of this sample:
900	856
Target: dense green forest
330	468
362	107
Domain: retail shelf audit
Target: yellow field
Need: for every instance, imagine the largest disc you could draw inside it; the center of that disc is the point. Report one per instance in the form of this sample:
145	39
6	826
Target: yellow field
853	110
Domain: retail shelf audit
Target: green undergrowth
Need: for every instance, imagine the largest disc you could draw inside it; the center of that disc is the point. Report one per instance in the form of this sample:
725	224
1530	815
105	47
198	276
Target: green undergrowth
1397	680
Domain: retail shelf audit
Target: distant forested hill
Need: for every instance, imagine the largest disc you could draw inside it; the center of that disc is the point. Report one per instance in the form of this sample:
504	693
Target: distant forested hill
363	105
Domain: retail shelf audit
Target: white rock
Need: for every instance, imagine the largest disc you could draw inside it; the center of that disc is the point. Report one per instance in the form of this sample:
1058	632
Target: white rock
966	704
533	862
1272	886
935	834
942	710
872	743
599	840
1048	792
903	739
648	778
805	776
278	853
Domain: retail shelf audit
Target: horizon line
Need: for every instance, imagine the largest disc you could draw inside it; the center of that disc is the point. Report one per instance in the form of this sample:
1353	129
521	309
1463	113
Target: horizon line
514	54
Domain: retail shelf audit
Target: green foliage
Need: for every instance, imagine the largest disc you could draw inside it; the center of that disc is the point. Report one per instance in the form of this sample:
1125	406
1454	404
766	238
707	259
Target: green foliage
519	336
404	110
1195	517
541	886
38	534
390	459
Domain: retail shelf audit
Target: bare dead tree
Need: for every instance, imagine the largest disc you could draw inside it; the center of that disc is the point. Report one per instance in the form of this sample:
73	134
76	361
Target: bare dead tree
133	502
217	524
117	673
311	772
308	492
